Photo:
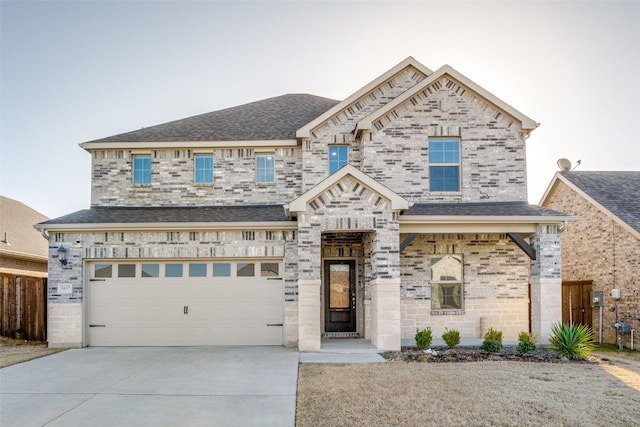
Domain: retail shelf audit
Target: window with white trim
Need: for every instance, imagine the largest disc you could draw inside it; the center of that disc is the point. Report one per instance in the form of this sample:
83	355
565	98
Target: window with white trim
444	164
446	282
338	157
141	170
265	168
203	169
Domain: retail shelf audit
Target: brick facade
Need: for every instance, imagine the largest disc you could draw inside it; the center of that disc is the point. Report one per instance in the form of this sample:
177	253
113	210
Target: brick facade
350	219
596	248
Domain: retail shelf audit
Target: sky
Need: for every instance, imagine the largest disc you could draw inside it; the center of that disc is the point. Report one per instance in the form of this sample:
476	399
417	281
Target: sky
75	71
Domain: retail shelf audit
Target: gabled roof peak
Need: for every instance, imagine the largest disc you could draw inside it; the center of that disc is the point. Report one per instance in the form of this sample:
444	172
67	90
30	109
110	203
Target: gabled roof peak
410	61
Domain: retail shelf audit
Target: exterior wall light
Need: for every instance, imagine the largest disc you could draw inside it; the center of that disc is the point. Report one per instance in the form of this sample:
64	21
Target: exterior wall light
62	255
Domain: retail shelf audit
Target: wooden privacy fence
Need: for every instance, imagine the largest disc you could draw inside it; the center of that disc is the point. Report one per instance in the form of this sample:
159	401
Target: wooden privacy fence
23	307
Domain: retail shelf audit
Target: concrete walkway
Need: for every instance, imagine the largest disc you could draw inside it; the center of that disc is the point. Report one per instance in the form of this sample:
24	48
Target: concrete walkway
153	386
343	350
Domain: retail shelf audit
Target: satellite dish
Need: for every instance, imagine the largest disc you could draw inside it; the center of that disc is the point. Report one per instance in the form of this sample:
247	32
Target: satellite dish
564	164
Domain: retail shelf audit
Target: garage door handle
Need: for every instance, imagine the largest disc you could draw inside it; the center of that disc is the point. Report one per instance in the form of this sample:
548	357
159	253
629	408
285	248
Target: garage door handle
97	326
274	324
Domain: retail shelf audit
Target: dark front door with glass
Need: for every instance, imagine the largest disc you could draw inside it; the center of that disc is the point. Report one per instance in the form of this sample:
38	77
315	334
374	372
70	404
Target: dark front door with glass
340	296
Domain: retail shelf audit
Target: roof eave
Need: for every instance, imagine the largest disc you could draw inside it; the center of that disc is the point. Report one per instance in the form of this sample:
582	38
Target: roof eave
149	145
173	226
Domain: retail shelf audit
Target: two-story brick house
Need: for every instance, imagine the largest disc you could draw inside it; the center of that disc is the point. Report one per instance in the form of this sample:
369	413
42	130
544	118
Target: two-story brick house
290	218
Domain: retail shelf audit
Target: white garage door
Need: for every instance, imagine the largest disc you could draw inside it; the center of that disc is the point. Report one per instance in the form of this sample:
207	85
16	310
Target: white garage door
185	303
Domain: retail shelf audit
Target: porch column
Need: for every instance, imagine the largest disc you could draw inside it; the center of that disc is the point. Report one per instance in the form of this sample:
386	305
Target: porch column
309	302
385	288
546	282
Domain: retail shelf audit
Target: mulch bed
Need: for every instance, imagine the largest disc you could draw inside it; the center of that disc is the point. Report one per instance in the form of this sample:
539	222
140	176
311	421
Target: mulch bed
475	354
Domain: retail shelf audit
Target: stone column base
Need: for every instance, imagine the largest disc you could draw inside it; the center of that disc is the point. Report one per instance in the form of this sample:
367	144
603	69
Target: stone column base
546	306
64	325
385	314
309	306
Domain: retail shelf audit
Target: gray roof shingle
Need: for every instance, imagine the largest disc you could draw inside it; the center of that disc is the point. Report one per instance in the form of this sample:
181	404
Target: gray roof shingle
618	192
481	209
269	119
137	215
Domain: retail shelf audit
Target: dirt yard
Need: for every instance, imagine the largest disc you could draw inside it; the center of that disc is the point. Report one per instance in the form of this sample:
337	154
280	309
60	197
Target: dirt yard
496	393
18	351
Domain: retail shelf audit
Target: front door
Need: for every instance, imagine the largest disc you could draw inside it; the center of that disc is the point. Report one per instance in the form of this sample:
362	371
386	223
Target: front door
340	296
576	303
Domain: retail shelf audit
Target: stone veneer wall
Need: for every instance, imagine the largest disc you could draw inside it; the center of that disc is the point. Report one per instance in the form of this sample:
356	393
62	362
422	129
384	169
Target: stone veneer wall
595	247
339	128
172	178
492	149
496	285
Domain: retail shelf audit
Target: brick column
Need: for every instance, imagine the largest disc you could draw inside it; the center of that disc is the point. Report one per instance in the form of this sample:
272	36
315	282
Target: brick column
385	288
309	282
546	282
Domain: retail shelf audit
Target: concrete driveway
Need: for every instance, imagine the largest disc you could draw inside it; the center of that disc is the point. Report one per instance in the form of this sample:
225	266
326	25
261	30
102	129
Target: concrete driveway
151	386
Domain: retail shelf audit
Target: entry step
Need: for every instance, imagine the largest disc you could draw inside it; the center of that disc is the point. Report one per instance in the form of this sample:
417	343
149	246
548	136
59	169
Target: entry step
341	335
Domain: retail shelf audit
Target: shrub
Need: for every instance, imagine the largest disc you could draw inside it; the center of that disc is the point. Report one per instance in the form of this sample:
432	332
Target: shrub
571	341
451	337
423	338
492	341
526	342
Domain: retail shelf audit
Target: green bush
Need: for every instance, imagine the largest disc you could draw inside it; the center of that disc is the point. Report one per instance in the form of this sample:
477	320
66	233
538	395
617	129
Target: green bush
423	338
492	341
451	337
571	341
526	342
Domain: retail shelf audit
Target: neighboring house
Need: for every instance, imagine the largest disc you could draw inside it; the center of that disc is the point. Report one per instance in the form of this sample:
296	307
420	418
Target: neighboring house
290	218
601	249
23	271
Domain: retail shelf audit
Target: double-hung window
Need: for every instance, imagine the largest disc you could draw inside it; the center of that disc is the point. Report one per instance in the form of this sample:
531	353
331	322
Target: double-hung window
203	169
444	164
265	165
338	157
141	170
446	282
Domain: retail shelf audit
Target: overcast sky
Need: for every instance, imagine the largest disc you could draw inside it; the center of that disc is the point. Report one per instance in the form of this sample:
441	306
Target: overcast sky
76	71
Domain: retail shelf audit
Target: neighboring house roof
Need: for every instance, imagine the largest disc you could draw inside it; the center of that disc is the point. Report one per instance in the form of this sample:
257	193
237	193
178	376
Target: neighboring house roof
18	238
160	217
617	194
275	118
527	123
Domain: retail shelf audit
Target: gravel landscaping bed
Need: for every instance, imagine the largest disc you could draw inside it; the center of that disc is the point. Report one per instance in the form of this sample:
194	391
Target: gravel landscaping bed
475	354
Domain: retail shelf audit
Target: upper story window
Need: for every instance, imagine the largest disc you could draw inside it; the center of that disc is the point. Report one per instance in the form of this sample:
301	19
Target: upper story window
444	164
265	164
338	157
203	169
141	170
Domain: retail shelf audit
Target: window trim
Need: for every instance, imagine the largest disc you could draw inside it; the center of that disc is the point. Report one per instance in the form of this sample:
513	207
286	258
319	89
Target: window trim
346	161
457	164
195	169
273	167
134	168
437	283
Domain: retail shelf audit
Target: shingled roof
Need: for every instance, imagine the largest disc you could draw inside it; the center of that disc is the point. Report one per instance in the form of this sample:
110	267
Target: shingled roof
156	215
618	192
482	209
270	119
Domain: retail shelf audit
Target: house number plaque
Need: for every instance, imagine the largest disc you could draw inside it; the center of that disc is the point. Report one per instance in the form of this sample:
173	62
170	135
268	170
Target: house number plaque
65	288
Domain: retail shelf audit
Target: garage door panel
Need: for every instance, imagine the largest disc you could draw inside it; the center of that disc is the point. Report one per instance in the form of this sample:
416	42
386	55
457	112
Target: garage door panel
186	311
